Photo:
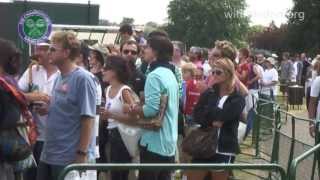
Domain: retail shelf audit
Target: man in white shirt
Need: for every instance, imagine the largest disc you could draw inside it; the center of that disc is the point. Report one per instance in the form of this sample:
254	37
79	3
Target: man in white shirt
269	78
314	104
37	81
297	66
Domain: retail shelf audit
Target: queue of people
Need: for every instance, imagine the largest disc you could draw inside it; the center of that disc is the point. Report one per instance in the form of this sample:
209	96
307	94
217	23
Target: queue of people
94	104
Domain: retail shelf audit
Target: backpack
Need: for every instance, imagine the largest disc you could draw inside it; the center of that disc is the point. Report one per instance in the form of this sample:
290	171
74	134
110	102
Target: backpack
14	140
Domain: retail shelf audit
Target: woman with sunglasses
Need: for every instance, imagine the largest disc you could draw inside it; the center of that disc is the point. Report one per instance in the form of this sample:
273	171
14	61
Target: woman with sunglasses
116	72
223	106
223	49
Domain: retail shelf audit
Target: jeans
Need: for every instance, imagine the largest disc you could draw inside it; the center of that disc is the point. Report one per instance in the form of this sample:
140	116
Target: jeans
31	174
48	171
150	157
250	121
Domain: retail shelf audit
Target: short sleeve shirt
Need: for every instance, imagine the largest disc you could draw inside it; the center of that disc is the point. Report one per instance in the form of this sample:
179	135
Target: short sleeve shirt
268	76
74	96
42	83
162	142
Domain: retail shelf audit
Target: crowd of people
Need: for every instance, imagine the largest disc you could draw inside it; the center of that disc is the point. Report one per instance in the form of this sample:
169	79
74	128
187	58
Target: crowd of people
100	104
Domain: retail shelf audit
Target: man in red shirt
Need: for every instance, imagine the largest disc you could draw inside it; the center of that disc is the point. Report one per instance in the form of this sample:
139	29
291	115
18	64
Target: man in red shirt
243	67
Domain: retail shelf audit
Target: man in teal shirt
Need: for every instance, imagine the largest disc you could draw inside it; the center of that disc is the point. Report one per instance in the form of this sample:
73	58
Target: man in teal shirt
159	146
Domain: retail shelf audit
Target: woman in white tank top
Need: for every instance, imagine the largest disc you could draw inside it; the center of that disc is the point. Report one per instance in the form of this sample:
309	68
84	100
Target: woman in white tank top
118	94
114	104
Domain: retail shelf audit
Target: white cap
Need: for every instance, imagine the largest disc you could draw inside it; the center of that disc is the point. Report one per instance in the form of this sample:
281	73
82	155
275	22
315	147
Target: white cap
271	60
274	55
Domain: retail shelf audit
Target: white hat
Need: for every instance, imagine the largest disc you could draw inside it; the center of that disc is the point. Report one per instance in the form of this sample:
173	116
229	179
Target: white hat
274	55
100	48
271	60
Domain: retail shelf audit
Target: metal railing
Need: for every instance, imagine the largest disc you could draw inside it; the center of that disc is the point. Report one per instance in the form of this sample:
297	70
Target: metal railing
263	118
106	167
292	171
285	146
295	162
276	162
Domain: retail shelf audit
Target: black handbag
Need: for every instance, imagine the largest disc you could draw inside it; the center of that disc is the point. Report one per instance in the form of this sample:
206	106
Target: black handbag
201	143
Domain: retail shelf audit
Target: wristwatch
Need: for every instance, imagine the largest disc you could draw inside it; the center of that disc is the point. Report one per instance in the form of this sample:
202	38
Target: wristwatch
82	153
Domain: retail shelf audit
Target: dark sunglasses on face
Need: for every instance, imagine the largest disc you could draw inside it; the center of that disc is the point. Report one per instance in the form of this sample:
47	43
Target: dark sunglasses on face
107	68
199	77
217	72
53	49
126	52
216	55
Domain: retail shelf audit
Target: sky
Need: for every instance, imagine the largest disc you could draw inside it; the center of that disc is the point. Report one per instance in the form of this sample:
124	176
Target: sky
261	11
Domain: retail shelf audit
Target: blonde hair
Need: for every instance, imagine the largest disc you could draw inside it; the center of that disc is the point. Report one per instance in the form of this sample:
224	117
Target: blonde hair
228	67
189	67
227	49
69	41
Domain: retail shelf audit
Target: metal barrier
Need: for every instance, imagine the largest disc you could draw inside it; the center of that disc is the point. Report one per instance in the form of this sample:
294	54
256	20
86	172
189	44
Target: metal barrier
292	171
105	167
274	137
284	144
294	164
265	123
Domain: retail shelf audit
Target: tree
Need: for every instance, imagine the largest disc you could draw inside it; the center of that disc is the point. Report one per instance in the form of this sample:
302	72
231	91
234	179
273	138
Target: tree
201	22
127	20
150	26
304	26
253	30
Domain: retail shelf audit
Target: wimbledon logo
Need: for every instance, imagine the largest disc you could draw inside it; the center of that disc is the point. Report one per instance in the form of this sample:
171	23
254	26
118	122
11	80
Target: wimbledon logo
34	27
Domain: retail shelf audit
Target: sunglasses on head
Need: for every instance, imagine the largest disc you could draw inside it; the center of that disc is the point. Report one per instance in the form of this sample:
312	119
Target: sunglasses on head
217	72
126	52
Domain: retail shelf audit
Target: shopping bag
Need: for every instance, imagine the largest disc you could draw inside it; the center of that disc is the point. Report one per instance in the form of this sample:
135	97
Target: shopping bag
130	136
241	131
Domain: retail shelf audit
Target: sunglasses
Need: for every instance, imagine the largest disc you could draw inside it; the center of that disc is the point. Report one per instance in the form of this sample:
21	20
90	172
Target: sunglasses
199	77
217	72
126	52
53	49
216	55
107	68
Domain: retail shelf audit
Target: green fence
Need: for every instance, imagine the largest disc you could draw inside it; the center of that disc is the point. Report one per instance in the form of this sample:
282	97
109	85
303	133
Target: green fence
278	143
314	151
281	137
106	167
